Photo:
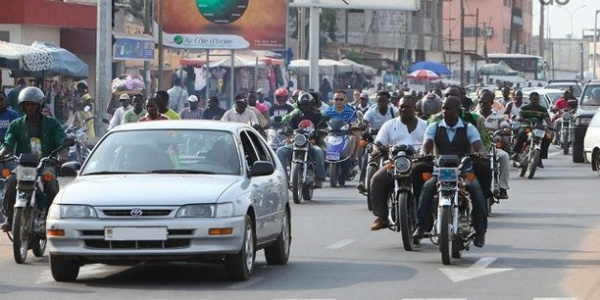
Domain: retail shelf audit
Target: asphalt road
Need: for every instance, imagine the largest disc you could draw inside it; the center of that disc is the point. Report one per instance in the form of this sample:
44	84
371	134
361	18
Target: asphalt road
542	243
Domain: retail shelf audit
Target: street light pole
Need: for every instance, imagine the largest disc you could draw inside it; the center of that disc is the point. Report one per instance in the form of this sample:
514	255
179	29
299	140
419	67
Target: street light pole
595	40
571	16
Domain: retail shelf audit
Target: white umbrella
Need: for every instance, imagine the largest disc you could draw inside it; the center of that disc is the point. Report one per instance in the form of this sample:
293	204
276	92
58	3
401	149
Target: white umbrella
326	67
24	57
360	68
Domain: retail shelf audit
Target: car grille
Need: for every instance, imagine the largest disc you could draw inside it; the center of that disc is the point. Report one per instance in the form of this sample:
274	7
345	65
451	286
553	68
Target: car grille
144	213
176	238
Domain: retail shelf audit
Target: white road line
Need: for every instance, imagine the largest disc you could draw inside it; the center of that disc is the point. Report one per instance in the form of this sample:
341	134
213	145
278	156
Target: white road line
302	299
555	298
245	284
340	244
434	298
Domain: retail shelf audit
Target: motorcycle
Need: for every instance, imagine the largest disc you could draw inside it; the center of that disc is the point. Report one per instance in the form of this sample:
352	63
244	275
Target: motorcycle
80	151
403	208
529	162
564	134
370	164
453	228
341	167
303	166
31	206
501	140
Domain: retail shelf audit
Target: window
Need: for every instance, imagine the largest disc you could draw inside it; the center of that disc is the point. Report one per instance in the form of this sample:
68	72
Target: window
428	9
472	32
260	147
249	152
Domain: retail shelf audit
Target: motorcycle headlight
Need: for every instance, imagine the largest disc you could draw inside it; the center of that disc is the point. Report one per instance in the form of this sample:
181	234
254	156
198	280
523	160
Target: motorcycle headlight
26	173
300	140
566	115
222	210
71	212
402	164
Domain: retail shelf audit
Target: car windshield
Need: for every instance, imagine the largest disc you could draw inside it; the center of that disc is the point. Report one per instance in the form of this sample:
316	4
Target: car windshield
565	86
554	96
591	96
165	151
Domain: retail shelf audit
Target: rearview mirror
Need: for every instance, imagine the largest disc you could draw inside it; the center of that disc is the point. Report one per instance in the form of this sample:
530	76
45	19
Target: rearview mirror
70	169
261	168
68	142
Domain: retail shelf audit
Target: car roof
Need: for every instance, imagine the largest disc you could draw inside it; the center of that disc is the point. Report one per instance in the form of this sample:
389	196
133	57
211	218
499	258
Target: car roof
183	124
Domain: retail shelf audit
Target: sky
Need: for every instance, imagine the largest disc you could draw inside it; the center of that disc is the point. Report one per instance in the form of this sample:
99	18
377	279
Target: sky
576	13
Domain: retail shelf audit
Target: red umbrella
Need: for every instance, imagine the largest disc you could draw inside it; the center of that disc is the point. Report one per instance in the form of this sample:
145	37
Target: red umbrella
423	74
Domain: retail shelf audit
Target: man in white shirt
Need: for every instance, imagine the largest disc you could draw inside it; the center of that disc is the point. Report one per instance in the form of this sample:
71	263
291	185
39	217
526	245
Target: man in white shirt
239	113
407	129
120	112
494	120
177	96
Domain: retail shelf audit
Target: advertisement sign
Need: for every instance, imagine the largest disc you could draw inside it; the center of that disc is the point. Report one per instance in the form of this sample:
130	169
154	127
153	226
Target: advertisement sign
360	4
127	48
224	24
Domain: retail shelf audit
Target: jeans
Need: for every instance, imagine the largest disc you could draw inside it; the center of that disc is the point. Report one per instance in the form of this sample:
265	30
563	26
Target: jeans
10	194
285	154
504	162
424	217
382	184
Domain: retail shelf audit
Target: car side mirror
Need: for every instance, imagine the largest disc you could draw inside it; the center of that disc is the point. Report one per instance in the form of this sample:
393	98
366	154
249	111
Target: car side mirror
70	169
262	168
68	142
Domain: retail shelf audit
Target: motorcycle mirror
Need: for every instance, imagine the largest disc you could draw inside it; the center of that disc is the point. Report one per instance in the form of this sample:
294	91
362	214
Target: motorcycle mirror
68	142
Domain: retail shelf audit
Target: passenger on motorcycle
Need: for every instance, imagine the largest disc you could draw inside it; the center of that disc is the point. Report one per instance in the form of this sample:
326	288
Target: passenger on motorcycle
341	110
407	129
32	133
295	96
280	108
536	114
363	104
493	121
512	108
306	111
452	136
430	105
564	103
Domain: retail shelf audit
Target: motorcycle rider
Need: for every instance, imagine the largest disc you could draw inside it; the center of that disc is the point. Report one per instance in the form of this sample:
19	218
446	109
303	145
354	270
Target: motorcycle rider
512	108
406	129
306	111
33	133
363	104
452	136
341	110
493	121
280	108
536	114
430	105
566	102
374	118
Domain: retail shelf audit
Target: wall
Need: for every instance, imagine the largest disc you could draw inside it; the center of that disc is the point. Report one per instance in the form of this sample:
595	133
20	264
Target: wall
30	34
14	37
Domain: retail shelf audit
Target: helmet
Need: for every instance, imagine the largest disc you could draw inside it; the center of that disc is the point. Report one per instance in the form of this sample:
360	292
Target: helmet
296	93
282	95
431	104
31	94
306	102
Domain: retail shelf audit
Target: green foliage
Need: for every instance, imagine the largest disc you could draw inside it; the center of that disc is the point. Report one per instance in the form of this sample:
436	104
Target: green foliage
354	56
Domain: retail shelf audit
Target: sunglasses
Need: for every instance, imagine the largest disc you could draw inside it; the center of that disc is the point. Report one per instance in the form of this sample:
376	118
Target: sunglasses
339	99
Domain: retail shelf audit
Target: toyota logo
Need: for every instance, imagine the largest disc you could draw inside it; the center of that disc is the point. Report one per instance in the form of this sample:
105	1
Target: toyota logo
136	212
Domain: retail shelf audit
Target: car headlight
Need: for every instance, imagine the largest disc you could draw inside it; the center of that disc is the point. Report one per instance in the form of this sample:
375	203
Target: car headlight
222	210
300	140
58	211
402	164
582	121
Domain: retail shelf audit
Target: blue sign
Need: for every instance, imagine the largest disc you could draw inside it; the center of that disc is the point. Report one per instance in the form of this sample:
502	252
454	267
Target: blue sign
132	48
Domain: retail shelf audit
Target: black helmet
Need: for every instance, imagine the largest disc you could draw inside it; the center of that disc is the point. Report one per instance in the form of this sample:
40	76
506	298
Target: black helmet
305	102
31	94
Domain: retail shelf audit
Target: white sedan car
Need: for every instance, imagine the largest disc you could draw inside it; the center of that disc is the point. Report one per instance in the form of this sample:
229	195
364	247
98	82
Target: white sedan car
193	191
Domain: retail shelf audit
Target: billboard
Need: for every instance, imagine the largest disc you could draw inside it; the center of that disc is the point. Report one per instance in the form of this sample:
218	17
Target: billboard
129	48
360	4
223	24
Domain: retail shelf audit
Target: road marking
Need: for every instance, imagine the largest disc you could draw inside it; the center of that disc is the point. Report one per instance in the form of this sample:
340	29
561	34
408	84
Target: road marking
340	244
304	299
555	298
245	284
434	298
476	270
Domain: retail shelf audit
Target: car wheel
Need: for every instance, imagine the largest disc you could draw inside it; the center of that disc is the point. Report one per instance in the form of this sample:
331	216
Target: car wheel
596	161
63	270
578	156
278	253
240	265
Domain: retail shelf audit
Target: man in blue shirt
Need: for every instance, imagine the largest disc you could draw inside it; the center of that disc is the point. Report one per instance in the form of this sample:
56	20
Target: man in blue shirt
7	115
341	110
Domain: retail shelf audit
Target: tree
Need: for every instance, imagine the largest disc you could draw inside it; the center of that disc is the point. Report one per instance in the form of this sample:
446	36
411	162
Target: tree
328	26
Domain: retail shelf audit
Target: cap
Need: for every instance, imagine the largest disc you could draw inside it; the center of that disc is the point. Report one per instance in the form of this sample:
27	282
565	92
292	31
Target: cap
364	96
260	91
192	98
124	97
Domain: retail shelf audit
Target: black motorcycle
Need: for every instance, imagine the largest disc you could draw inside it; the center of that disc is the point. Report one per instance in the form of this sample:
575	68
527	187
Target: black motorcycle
303	166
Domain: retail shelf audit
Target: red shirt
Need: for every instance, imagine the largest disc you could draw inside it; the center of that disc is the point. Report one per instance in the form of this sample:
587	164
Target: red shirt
158	118
562	103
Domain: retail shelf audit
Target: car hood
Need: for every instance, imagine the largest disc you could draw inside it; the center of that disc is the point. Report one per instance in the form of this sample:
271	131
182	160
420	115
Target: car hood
586	110
153	189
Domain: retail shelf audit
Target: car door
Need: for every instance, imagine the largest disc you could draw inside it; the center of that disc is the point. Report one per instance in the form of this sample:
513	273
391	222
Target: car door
264	193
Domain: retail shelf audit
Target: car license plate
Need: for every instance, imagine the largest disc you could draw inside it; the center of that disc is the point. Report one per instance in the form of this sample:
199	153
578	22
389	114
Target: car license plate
447	174
332	156
135	233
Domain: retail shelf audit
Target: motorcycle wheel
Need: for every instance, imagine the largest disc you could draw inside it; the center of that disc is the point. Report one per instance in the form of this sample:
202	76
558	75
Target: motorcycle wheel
333	176
407	220
490	202
565	143
445	241
21	230
533	162
457	246
370	172
39	246
297	183
524	164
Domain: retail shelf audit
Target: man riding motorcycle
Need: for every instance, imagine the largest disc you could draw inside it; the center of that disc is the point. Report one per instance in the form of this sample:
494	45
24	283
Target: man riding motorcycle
536	114
33	133
452	136
306	111
374	118
280	108
407	129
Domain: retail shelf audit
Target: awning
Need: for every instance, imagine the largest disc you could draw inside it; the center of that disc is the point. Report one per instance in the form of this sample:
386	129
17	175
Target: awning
17	56
63	62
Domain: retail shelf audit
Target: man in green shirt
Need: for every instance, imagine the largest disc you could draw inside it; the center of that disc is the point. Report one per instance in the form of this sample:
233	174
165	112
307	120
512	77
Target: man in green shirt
536	114
13	96
34	133
163	106
137	112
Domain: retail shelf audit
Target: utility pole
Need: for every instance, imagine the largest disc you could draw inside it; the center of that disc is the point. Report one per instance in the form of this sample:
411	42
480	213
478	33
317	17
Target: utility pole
541	32
147	30
405	59
161	48
103	62
477	31
462	42
581	69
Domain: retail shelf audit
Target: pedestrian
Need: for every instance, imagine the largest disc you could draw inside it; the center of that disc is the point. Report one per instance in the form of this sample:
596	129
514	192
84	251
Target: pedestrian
192	111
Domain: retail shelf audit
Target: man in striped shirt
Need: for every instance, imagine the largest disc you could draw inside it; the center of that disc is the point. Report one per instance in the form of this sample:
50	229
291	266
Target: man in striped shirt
192	111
